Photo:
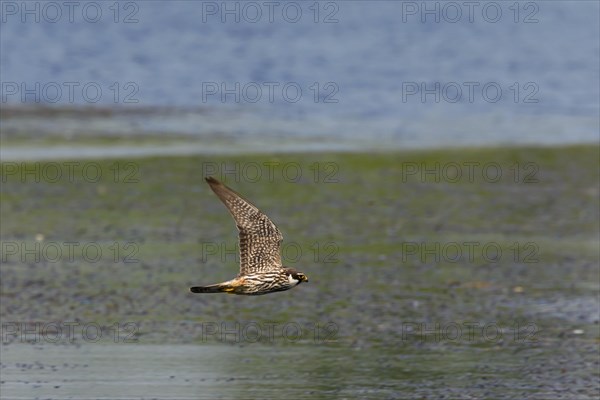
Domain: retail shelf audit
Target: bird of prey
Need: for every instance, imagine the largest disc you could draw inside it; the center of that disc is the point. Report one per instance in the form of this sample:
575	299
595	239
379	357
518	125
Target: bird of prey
261	269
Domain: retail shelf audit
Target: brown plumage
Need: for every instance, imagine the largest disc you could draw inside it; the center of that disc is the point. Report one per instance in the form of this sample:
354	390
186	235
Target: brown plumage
261	269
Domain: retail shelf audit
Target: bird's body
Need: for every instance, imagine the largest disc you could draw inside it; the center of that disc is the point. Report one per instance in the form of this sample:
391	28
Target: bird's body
261	269
253	284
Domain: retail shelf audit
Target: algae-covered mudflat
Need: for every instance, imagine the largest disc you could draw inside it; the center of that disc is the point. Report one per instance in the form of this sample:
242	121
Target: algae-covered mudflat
460	273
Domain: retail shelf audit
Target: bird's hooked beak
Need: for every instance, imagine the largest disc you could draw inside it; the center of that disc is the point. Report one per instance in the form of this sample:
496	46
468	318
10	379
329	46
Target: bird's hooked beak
303	278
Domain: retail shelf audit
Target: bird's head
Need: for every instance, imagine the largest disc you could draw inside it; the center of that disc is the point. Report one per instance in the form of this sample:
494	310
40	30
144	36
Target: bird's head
299	276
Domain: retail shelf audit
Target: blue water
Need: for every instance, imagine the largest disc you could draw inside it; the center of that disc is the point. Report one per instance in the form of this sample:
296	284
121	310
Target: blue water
399	71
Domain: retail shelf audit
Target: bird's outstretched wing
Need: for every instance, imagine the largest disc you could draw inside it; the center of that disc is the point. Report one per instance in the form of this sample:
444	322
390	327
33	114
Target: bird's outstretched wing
260	240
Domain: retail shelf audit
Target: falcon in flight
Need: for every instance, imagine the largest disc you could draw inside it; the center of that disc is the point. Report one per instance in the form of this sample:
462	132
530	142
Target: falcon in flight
261	270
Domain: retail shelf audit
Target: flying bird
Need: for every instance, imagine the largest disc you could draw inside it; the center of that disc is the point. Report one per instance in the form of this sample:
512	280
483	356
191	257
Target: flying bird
261	269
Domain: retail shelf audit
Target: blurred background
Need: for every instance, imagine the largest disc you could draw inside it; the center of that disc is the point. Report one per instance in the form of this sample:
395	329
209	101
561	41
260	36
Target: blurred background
329	75
433	166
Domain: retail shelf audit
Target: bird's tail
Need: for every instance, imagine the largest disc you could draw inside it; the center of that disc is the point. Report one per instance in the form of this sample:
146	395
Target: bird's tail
218	288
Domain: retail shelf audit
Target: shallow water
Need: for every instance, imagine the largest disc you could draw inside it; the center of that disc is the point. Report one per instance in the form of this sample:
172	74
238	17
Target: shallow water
110	371
396	74
540	314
